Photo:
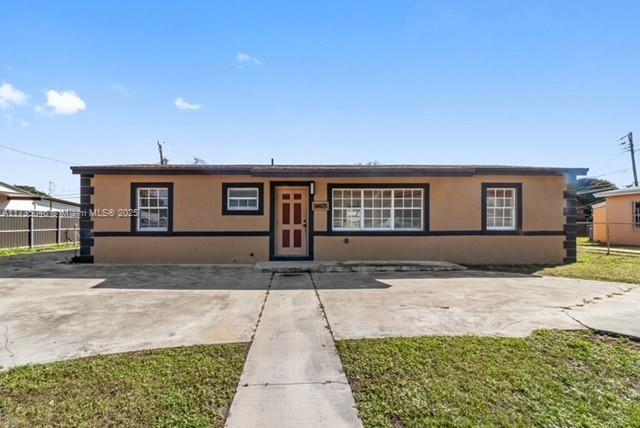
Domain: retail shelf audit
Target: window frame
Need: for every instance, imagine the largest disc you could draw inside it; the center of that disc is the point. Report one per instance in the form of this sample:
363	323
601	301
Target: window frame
635	214
517	221
424	187
135	224
234	211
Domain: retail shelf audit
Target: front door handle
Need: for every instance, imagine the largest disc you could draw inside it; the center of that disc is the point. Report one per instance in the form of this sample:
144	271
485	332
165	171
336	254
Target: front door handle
304	223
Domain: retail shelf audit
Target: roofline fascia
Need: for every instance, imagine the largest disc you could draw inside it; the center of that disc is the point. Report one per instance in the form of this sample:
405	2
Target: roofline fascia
41	198
342	172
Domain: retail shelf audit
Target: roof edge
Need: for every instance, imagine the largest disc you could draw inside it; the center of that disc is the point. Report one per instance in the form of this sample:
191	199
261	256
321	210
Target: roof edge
618	192
325	170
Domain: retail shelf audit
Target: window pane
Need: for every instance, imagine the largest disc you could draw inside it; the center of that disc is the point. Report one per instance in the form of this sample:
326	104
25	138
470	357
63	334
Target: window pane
243	193
379	205
500	205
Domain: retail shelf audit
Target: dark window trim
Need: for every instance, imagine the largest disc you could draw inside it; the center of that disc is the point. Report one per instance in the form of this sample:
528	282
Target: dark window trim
519	205
635	205
227	211
272	220
187	233
134	205
425	209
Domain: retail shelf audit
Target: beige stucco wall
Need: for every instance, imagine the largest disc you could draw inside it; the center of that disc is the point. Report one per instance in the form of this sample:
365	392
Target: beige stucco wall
196	205
619	215
455	205
181	249
461	249
600	224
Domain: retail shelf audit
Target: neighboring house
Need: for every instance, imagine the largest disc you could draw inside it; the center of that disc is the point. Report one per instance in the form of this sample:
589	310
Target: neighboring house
249	213
617	219
15	199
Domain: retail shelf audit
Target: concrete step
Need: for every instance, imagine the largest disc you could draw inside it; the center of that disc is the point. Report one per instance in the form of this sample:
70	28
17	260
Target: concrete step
358	266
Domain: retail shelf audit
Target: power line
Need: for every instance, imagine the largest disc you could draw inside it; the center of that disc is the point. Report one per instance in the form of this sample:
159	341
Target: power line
34	155
619	171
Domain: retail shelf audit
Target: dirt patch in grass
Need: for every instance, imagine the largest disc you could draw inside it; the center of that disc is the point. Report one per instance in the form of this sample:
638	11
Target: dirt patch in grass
552	378
191	386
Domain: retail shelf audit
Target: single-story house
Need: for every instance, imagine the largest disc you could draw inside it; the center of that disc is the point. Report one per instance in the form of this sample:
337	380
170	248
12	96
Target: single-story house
617	219
249	213
15	199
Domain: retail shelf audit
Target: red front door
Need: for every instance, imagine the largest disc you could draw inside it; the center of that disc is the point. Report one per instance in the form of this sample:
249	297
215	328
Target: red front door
291	221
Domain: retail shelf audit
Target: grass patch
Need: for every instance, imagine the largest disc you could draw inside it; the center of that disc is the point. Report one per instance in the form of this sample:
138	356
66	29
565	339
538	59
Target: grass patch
552	378
22	251
190	386
594	266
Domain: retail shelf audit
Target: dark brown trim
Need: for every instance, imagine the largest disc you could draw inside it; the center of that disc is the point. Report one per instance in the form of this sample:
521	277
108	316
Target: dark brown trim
326	170
519	208
225	189
442	233
86	223
570	213
272	220
189	233
134	205
425	209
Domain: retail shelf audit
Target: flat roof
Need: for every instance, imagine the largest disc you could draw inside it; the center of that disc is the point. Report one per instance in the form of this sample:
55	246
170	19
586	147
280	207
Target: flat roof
620	192
326	170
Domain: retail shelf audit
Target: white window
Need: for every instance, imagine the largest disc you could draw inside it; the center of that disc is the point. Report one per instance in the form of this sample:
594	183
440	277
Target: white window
243	199
153	209
377	209
636	214
501	208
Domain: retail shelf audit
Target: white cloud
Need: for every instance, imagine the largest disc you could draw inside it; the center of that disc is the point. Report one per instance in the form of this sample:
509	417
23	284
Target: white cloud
10	95
184	105
24	124
242	58
64	103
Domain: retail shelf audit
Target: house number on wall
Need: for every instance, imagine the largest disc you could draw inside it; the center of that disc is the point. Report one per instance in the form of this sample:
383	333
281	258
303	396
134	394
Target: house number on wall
320	205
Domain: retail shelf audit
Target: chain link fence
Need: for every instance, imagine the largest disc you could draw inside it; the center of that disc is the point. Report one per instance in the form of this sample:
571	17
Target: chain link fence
612	238
31	229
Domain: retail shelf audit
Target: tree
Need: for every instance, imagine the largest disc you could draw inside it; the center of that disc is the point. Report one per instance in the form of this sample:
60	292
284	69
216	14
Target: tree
586	188
198	161
30	189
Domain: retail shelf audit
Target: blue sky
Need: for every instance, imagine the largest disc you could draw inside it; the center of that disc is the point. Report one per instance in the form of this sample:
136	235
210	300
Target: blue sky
465	82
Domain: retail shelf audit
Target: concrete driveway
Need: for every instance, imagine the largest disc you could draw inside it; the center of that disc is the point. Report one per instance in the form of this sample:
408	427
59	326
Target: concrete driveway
51	311
473	302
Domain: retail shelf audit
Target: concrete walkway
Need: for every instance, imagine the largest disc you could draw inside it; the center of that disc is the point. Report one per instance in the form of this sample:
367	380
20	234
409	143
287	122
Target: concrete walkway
293	376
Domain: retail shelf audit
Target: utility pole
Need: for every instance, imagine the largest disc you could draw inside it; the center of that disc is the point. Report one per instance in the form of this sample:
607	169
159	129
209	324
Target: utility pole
163	160
52	186
628	145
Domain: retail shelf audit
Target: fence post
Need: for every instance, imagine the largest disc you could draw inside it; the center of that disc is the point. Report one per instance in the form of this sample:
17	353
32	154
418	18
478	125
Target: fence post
31	234
58	228
608	241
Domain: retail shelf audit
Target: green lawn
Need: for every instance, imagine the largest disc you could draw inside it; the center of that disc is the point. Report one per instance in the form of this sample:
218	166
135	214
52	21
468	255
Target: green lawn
191	386
20	251
552	378
589	266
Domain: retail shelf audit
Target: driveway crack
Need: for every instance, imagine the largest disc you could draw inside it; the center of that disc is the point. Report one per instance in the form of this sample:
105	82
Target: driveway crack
577	320
6	345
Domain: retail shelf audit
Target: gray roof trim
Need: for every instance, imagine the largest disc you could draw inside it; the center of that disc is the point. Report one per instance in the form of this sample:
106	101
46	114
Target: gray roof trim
326	170
619	192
